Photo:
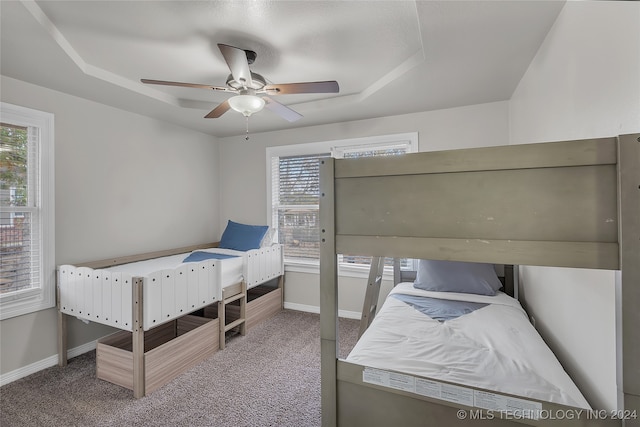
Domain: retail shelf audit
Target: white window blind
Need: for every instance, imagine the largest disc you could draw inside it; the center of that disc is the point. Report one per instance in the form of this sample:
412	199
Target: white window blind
296	196
27	249
368	150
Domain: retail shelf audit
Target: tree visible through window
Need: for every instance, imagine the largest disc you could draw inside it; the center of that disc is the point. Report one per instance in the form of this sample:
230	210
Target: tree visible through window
27	259
15	220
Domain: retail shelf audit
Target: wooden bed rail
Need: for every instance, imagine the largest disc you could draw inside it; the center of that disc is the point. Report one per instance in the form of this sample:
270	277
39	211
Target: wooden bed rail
110	262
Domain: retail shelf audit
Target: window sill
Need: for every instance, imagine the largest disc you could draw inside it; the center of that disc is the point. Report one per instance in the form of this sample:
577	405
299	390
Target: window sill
25	302
358	271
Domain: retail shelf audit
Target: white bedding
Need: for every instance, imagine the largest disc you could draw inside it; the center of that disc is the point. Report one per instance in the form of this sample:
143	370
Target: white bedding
494	347
232	268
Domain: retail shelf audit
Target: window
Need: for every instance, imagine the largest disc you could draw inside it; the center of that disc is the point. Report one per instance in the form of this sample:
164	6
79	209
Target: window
27	262
294	194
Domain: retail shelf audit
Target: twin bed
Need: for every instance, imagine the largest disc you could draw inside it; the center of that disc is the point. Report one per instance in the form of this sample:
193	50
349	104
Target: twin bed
445	355
171	306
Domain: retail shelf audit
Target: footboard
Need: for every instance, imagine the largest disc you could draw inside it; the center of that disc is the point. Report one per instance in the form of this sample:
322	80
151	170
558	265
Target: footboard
105	297
263	265
96	295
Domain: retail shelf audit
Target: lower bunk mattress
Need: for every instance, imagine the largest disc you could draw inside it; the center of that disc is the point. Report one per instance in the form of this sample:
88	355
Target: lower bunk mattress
231	264
474	340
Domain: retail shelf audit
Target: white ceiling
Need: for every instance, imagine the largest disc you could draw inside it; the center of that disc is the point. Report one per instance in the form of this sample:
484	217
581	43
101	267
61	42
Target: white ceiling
389	57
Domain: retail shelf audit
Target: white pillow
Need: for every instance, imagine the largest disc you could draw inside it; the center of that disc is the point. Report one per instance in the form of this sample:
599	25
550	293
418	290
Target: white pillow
267	240
456	276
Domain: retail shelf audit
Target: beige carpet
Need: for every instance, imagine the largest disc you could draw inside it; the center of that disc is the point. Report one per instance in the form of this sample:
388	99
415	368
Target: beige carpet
270	377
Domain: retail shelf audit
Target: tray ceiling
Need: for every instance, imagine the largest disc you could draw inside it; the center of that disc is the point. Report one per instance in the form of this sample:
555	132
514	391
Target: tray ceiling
389	57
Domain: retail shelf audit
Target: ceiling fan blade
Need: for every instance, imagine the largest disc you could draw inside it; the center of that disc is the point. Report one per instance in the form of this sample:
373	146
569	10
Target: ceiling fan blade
218	111
305	87
236	59
281	110
196	85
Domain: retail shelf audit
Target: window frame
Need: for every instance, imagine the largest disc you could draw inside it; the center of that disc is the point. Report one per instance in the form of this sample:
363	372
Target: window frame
336	148
30	300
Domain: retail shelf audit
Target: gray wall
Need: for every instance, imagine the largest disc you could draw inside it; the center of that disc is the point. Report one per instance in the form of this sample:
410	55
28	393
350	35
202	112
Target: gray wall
583	83
125	184
243	195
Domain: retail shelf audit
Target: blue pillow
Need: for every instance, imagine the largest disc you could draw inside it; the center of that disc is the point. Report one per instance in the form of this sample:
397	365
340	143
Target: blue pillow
456	276
242	237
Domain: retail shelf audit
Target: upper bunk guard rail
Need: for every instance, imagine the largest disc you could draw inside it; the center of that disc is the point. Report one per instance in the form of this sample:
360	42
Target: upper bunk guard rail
598	151
562	189
560	204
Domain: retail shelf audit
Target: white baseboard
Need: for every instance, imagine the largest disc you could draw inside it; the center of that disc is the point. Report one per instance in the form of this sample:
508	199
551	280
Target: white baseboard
25	371
315	309
50	361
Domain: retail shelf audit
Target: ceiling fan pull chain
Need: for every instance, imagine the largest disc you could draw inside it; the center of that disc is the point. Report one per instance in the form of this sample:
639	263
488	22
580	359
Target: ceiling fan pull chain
246	138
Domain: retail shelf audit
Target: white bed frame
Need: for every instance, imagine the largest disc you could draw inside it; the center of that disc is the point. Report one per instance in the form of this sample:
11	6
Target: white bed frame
562	204
159	305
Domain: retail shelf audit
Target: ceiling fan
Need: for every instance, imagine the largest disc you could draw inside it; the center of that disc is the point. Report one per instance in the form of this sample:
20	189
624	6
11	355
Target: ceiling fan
252	93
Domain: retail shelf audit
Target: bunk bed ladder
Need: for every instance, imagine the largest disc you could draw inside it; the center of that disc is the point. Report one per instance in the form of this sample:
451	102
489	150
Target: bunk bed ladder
373	291
237	292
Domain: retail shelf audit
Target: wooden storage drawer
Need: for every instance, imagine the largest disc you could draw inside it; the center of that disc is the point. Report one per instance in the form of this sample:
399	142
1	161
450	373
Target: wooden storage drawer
169	350
267	305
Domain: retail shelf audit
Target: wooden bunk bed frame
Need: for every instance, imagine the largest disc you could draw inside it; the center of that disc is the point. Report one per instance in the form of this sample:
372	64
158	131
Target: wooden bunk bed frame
142	357
562	204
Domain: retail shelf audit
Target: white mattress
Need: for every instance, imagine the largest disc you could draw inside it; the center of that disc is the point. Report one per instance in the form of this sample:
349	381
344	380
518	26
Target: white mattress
232	268
494	347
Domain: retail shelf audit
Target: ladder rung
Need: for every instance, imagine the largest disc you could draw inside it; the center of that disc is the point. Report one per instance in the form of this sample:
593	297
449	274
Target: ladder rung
233	298
233	324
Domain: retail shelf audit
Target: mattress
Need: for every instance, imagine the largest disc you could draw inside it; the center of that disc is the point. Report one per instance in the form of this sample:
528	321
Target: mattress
231	268
488	343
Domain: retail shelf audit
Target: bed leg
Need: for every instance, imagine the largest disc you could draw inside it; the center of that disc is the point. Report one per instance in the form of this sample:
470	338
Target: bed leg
62	327
243	309
221	320
281	286
62	339
62	335
138	340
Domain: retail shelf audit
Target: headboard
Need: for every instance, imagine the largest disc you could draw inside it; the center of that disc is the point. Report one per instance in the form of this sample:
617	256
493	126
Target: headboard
562	204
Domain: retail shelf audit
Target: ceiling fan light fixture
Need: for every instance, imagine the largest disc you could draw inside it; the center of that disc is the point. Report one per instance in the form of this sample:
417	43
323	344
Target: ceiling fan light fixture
246	104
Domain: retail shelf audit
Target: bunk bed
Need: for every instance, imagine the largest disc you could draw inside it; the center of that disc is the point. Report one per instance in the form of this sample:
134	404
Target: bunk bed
561	204
161	302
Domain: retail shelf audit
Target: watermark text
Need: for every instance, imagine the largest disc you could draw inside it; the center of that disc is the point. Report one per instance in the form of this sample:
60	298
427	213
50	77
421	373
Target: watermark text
547	414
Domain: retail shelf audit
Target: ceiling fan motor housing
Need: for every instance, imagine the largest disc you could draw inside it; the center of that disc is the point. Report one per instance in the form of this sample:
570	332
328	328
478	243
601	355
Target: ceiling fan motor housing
251	56
257	82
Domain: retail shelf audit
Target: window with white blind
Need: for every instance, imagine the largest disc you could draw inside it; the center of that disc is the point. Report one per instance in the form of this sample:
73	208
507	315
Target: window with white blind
294	176
27	263
296	192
